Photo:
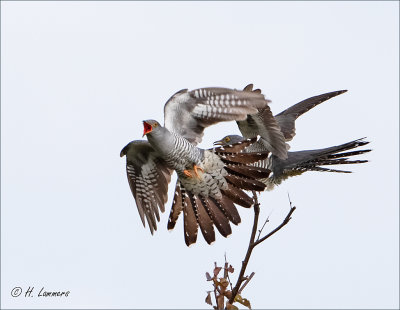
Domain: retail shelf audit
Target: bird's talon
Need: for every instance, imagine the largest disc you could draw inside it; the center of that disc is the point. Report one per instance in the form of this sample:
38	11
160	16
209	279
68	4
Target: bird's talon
187	173
195	168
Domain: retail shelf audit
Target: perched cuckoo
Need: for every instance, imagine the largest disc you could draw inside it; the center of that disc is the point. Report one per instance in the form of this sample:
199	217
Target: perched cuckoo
296	162
210	182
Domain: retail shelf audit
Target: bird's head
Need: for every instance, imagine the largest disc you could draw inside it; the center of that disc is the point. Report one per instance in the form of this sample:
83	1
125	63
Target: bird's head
229	139
150	125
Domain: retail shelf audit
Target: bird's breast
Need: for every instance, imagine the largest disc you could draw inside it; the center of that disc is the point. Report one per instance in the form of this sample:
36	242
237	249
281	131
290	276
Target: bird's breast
210	179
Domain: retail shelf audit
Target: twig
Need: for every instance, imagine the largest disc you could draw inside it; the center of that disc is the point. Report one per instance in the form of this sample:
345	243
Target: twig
262	227
215	294
252	244
227	273
249	250
285	221
225	268
246	282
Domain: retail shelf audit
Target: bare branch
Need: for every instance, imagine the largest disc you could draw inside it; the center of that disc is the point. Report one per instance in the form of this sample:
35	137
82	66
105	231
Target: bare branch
260	231
246	282
285	221
238	288
221	284
227	273
249	249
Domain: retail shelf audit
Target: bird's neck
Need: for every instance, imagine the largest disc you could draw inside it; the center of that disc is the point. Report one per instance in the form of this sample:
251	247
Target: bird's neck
175	150
162	140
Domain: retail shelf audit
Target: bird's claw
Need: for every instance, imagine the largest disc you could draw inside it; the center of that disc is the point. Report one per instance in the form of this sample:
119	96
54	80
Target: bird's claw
187	173
195	169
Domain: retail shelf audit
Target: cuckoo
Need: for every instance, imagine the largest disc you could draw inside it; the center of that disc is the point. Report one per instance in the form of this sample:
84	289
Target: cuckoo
301	161
298	162
210	181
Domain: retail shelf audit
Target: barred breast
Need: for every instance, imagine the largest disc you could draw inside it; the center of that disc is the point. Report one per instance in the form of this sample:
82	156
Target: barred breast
211	181
183	155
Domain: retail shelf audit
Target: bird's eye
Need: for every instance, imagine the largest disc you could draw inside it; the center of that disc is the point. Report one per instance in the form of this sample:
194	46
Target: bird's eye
155	125
227	139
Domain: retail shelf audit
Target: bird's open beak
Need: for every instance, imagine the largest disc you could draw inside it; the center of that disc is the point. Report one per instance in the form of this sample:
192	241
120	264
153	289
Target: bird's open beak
146	128
219	142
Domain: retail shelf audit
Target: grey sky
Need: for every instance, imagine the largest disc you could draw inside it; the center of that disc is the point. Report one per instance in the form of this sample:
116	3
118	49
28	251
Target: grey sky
77	78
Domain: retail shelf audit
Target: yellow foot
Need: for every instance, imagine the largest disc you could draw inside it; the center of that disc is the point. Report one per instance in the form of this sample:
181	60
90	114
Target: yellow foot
187	173
195	168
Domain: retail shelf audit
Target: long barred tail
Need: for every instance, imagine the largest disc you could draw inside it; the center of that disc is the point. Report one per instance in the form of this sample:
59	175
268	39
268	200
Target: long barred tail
312	160
207	212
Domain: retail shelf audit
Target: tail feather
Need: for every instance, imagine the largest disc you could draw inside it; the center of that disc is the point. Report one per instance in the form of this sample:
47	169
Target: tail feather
311	160
236	147
247	171
217	217
228	209
177	207
244	183
243	158
347	154
203	219
322	169
338	161
319	153
203	212
189	220
238	196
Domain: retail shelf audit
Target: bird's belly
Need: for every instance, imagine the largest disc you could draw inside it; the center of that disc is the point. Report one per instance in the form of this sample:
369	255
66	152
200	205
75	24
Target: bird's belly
209	180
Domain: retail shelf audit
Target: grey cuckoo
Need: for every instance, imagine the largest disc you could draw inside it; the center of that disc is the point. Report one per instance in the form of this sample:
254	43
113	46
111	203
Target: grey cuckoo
302	161
210	182
297	162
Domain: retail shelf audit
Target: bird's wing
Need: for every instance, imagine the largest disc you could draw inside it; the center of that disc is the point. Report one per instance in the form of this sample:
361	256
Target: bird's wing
265	125
287	118
188	112
148	178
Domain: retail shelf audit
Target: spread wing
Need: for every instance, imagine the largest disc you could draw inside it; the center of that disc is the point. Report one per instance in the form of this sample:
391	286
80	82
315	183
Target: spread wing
287	118
148	178
188	112
265	125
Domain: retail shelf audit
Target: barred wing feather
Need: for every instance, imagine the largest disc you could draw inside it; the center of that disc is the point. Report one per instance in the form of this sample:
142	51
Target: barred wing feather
148	178
266	126
187	113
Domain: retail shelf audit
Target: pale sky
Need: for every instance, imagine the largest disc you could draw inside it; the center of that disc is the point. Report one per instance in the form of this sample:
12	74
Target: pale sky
77	79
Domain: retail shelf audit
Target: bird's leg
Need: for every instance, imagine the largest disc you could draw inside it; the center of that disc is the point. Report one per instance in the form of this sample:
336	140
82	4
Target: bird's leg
195	168
187	173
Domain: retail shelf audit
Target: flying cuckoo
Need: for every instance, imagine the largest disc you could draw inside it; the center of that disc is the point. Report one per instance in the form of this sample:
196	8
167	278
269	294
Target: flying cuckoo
210	181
